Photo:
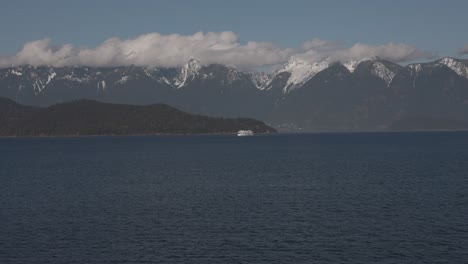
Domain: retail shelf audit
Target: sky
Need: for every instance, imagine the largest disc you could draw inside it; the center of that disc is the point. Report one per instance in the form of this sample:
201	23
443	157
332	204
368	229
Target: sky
243	33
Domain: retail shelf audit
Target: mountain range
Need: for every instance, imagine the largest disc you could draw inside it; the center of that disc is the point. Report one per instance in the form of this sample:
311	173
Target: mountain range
369	94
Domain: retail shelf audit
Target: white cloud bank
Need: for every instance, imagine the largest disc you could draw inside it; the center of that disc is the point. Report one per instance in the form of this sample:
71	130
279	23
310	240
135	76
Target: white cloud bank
172	50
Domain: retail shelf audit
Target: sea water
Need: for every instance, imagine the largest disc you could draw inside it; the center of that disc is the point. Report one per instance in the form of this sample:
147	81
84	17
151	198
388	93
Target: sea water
298	198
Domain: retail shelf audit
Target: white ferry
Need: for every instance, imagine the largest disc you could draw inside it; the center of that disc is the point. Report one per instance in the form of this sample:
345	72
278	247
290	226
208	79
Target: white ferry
243	133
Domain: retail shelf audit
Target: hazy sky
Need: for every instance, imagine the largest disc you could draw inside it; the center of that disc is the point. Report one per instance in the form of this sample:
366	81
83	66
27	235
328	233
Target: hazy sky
275	29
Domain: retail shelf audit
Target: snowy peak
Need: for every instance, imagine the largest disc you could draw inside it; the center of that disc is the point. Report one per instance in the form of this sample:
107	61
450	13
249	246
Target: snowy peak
233	75
460	67
415	68
192	65
187	73
294	63
39	77
381	71
261	80
17	72
77	75
301	71
352	64
457	66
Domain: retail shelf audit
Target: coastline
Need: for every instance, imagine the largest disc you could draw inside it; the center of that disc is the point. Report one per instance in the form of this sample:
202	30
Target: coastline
235	133
131	135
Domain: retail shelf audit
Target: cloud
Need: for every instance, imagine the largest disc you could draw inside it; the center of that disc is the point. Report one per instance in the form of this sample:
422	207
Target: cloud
392	52
317	50
153	49
40	52
463	50
173	50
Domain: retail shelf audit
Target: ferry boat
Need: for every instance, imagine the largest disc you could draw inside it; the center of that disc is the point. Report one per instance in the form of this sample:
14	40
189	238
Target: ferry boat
243	133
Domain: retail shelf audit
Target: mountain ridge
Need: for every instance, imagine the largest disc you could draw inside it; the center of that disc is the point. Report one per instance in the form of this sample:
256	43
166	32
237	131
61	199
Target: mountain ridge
365	94
90	117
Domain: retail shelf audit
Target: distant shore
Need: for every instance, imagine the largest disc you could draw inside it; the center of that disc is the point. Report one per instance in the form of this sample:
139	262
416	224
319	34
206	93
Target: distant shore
235	134
92	118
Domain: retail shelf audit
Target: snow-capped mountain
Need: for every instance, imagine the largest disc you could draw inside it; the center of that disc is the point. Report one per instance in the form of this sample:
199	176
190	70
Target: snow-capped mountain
366	93
261	80
352	64
300	72
415	68
384	73
381	69
458	66
187	73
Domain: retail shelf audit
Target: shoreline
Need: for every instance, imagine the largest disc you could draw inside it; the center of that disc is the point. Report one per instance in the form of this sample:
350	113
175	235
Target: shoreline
128	135
235	133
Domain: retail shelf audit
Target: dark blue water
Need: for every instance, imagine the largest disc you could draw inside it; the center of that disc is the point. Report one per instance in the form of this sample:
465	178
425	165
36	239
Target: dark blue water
323	198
